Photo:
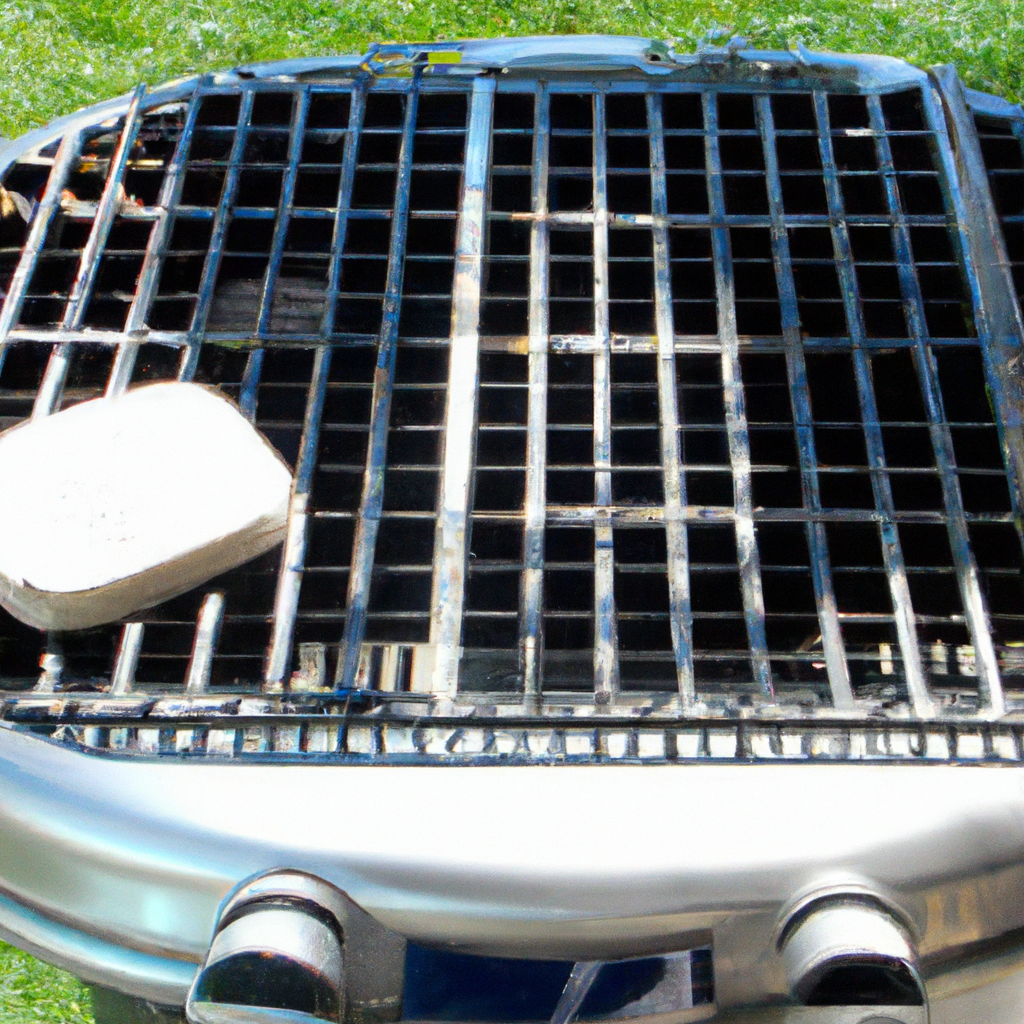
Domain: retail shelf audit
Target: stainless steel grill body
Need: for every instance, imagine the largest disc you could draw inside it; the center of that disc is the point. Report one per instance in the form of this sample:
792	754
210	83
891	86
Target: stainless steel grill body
644	410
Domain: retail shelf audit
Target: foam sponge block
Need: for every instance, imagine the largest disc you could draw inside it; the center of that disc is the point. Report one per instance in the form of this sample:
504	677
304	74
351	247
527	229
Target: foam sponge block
119	503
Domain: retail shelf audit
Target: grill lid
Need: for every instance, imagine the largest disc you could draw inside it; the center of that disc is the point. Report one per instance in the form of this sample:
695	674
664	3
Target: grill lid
612	380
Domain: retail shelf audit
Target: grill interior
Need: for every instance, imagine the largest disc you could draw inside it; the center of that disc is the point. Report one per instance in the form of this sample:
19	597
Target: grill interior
731	434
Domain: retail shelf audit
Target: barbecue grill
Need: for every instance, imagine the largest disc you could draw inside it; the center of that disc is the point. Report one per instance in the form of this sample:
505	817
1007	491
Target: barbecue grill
647	638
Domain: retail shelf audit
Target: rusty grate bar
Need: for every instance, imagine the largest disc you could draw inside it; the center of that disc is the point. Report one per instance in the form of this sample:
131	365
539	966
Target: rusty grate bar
532	639
105	213
285	208
989	684
450	553
286	601
892	551
371	501
64	162
250	384
284	211
680	611
190	355
821	574
149	275
892	548
980	240
211	614
348	169
606	667
48	397
735	412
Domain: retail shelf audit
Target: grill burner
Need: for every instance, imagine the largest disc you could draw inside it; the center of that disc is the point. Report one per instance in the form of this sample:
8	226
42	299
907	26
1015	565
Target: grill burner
666	398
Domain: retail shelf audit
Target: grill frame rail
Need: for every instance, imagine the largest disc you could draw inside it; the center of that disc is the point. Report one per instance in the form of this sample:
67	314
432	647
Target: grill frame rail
630	67
255	730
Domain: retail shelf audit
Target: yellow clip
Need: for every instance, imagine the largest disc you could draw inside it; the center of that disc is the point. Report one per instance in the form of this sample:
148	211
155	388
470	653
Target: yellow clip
444	57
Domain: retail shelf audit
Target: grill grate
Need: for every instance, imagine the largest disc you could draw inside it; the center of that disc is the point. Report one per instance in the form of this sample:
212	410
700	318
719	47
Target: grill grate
652	396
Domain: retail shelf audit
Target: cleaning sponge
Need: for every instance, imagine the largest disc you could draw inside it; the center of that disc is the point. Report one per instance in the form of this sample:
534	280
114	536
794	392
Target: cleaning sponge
119	503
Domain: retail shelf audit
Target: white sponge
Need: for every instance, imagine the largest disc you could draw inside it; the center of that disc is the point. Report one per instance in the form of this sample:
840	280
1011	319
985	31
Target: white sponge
120	503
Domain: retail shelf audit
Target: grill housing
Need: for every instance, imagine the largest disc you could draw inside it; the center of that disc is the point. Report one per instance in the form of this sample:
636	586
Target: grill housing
642	407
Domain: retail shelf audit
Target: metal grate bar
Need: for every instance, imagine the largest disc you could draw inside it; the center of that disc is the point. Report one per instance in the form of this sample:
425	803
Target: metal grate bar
892	551
735	410
51	389
190	356
581	979
284	211
149	275
122	368
250	384
606	666
356	110
289	581
450	553
67	154
211	615
372	498
990	687
567	516
92	335
109	204
289	578
48	397
993	292
680	610
254	364
532	639
123	678
821	569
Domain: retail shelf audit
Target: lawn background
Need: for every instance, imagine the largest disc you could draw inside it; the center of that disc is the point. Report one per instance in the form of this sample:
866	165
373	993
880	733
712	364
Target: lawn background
58	55
35	993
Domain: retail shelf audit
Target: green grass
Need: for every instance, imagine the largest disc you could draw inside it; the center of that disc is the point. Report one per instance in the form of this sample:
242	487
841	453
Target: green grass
35	993
57	55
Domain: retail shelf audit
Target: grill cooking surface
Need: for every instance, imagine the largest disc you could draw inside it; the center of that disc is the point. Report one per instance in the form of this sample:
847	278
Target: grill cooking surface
603	398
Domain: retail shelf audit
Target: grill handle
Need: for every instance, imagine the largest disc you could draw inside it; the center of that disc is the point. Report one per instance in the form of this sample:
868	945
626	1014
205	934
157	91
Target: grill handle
276	961
851	952
289	948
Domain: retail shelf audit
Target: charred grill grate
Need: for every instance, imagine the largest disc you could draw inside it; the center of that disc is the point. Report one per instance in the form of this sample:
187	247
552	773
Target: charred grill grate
644	396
